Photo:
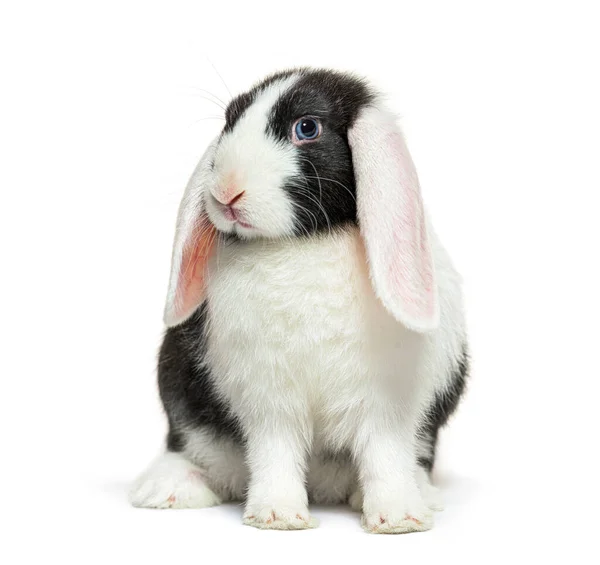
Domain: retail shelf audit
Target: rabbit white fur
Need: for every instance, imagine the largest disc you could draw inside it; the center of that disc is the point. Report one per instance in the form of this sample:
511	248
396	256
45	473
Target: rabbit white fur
326	362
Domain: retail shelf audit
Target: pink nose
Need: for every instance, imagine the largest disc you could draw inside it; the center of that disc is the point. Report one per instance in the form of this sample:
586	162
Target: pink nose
227	200
234	199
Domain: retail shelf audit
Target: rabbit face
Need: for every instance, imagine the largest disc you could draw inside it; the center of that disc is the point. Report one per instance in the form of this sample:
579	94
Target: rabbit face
282	165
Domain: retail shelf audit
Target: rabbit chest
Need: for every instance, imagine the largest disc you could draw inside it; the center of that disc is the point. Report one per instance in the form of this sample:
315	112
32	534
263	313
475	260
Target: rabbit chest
295	327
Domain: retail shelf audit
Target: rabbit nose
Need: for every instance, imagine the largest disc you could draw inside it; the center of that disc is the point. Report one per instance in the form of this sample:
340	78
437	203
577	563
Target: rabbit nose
234	199
228	193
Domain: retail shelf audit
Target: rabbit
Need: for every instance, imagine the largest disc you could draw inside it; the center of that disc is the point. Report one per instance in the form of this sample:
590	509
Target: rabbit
315	339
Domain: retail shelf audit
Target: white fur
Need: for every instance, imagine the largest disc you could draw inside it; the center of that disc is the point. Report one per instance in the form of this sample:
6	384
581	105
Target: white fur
172	481
310	359
430	493
257	163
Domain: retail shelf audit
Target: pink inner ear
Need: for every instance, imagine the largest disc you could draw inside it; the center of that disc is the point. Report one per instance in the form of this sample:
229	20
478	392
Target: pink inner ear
411	269
191	284
392	221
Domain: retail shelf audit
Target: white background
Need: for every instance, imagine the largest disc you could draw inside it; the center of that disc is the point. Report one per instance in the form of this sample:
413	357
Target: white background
102	120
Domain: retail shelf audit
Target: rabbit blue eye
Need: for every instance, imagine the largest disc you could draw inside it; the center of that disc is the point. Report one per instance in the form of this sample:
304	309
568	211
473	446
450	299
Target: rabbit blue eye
307	129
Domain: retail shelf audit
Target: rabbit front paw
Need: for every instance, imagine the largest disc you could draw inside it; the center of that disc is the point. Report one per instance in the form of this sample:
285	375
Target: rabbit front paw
278	517
396	515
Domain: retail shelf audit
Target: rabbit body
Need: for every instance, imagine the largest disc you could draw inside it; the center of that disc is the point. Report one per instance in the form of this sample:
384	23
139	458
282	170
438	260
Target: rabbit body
317	359
286	372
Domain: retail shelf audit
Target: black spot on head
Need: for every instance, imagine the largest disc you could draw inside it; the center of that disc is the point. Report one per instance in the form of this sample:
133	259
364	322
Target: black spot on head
236	108
324	194
329	95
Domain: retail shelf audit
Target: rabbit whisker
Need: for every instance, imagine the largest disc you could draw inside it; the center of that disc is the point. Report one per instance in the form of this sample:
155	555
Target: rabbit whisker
308	194
317	177
307	211
336	182
215	98
222	80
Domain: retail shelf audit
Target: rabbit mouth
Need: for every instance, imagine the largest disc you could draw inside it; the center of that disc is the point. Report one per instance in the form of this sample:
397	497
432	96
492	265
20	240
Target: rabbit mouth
227	217
233	214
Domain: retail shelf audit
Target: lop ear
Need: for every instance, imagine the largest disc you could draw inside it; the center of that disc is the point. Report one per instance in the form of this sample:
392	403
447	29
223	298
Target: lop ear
195	239
392	220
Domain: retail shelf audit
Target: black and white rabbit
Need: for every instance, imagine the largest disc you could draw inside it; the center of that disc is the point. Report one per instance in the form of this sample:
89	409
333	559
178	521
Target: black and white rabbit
316	339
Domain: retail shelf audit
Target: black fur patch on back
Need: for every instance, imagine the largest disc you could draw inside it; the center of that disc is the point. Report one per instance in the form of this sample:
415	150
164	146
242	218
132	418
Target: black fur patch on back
442	408
185	385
